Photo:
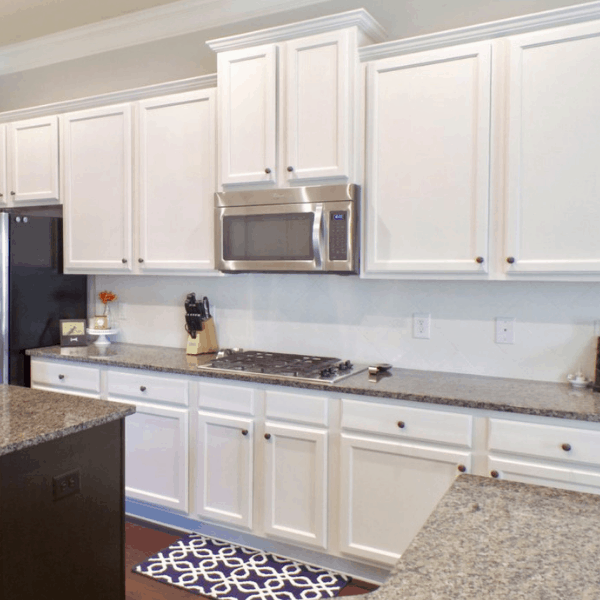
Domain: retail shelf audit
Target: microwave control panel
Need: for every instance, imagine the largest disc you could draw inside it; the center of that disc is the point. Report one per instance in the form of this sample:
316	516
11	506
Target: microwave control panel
338	235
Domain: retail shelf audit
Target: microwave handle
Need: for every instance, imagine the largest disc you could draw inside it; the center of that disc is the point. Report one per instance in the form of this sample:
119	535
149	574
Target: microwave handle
316	236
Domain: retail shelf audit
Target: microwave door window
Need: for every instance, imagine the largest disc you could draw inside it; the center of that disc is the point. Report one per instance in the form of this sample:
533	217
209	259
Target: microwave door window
273	237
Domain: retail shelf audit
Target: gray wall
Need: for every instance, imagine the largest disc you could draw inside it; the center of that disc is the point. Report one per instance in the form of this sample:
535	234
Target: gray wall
188	56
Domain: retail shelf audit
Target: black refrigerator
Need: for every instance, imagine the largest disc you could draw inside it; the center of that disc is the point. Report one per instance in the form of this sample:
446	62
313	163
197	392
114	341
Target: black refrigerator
35	292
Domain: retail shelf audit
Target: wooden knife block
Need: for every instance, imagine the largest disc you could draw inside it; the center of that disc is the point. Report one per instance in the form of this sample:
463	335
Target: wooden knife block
205	341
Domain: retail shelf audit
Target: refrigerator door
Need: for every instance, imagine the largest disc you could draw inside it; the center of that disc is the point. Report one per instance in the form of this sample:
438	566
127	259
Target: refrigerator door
39	294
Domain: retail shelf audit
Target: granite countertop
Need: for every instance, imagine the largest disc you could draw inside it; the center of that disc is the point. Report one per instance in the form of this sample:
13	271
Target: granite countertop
30	417
495	539
451	389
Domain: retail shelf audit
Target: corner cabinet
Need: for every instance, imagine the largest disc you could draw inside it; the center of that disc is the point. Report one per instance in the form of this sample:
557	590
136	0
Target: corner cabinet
139	181
29	162
311	124
553	187
427	162
96	157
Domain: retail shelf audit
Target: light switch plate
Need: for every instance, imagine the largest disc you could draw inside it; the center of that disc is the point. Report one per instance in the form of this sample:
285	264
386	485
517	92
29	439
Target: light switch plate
505	330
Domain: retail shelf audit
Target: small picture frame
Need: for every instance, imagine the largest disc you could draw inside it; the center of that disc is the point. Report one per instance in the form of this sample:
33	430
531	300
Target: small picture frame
101	322
72	332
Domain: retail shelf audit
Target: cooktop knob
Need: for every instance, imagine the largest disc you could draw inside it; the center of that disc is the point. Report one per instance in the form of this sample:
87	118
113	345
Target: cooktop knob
345	366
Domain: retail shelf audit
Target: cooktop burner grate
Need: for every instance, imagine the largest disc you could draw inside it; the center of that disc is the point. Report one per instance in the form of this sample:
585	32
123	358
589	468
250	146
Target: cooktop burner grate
291	366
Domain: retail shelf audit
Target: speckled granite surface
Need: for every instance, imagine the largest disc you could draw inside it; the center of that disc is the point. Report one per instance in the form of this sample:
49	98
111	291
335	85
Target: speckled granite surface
470	391
497	540
30	417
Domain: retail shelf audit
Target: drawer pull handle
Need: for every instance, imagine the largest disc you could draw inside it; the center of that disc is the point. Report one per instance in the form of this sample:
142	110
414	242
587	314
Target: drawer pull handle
401	424
61	376
462	468
495	474
244	432
142	388
510	260
566	447
479	260
267	436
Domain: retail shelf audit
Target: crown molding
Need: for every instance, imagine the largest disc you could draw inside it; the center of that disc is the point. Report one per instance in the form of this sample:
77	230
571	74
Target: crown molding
149	91
353	18
485	31
161	22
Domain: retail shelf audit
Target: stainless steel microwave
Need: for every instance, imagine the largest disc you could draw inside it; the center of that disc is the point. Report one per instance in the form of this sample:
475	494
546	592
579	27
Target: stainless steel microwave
303	229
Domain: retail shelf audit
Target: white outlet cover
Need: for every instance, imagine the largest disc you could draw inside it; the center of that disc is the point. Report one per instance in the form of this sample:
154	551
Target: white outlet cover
422	326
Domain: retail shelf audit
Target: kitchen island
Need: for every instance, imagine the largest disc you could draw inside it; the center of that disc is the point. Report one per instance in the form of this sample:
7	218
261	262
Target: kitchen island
61	495
500	539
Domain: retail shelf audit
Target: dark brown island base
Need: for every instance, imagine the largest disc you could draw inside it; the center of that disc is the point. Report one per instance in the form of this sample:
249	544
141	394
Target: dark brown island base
491	539
61	496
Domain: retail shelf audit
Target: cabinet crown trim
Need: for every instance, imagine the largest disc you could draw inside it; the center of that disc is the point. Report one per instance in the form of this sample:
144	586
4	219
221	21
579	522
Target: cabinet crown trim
131	95
353	18
483	31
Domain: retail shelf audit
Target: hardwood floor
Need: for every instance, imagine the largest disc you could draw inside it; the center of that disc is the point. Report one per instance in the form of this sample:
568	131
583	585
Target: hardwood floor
143	540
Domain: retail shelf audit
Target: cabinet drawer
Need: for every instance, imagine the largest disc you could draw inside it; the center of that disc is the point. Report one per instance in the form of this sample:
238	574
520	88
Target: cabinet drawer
141	386
545	441
297	407
229	398
408	423
70	377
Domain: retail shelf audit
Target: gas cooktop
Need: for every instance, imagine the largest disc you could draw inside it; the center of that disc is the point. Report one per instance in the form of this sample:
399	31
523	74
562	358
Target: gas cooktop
298	367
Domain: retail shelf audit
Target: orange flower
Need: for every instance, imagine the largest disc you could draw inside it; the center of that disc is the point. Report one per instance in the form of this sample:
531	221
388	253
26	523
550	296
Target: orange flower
107	297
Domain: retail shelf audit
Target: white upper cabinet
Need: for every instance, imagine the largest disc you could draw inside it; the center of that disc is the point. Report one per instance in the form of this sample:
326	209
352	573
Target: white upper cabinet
248	115
96	159
553	187
176	175
287	107
318	106
3	182
427	162
32	150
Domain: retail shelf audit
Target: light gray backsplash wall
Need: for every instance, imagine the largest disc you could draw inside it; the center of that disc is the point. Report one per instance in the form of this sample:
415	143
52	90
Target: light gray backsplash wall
371	320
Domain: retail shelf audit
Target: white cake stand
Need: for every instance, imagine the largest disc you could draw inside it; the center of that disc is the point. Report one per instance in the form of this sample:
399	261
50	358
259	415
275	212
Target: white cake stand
102	335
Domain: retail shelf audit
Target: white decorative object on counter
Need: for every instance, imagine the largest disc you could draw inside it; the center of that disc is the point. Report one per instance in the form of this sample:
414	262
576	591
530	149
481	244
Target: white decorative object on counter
102	335
578	380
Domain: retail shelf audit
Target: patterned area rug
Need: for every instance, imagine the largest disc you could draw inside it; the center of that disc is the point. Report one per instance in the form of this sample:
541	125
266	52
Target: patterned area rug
224	571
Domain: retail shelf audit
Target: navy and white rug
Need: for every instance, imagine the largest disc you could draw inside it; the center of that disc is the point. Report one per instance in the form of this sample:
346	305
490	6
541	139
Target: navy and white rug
224	571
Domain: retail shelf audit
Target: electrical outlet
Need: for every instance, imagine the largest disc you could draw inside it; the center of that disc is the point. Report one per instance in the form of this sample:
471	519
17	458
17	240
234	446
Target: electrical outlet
122	311
505	330
65	484
421	326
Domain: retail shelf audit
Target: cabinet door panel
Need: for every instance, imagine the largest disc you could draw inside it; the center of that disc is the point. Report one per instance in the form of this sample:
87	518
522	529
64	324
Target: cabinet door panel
553	151
3	181
33	159
156	464
388	491
225	467
177	182
318	97
428	144
96	158
296	484
248	113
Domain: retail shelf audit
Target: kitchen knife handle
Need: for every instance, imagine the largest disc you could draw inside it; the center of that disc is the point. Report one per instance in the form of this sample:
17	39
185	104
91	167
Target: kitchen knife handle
316	236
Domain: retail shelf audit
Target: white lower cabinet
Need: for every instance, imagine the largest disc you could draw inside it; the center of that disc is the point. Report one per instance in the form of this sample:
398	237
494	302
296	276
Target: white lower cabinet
54	376
295	470
397	462
156	464
225	467
388	490
543	454
156	436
